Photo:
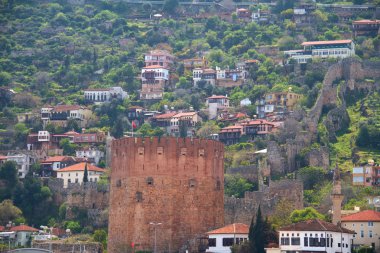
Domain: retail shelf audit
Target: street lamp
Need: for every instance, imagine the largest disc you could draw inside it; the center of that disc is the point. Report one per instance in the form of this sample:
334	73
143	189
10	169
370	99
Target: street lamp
155	224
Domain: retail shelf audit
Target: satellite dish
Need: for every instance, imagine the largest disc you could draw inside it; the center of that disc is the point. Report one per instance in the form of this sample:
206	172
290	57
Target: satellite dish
376	201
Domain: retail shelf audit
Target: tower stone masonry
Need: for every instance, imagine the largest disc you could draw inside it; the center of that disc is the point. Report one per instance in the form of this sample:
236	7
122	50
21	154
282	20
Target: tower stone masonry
177	182
337	197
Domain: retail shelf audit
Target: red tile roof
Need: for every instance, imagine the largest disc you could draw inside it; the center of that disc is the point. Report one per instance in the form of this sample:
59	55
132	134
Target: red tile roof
217	97
53	159
236	228
154	67
2	228
184	114
325	42
315	225
366	22
62	108
80	167
232	129
3	157
367	215
24	228
165	115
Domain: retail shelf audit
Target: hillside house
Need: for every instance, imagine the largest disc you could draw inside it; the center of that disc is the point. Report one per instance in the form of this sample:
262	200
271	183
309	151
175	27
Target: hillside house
216	103
75	173
100	96
190	64
160	58
366	27
91	154
189	120
222	239
23	161
367	175
366	224
322	49
315	236
154	78
51	165
231	135
60	114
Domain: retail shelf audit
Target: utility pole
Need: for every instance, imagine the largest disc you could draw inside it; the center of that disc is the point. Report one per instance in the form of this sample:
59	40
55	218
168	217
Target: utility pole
155	224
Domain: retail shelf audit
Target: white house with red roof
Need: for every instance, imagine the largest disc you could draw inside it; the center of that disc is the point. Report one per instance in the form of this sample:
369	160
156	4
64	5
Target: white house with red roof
315	236
75	173
366	224
222	239
322	49
52	164
23	234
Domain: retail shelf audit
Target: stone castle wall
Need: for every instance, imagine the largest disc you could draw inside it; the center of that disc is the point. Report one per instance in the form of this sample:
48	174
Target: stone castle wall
61	247
92	197
177	182
244	209
353	73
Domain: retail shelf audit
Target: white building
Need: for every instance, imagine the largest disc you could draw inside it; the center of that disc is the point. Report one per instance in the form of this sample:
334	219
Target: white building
215	103
156	72
322	49
315	236
23	162
105	95
222	239
75	173
23	234
92	154
245	102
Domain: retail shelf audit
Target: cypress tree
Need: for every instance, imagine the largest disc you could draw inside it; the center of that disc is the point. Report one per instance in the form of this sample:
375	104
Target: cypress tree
85	175
256	234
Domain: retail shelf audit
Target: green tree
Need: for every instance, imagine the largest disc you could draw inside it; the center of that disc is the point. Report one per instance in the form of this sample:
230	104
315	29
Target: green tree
74	227
8	212
256	234
311	176
5	78
8	179
101	236
236	185
85	174
308	213
170	6
207	129
68	148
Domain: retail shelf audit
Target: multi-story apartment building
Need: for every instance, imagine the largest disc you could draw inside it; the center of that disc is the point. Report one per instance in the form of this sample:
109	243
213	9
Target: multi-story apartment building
322	49
216	103
60	114
366	27
367	175
23	161
160	58
366	224
154	78
287	100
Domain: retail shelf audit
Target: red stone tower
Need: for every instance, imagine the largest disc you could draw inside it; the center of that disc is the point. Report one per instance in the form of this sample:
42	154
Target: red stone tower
175	182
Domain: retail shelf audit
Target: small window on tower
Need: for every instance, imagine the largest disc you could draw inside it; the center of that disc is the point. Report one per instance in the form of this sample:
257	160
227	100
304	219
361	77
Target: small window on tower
201	152
183	151
160	150
141	151
149	180
192	183
218	185
118	183
139	197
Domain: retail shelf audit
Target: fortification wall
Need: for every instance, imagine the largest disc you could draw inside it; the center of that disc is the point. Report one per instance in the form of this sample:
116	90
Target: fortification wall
244	209
62	247
176	182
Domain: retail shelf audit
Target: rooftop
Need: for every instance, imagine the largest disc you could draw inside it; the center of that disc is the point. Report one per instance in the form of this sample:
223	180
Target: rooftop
315	225
24	228
61	108
325	42
80	167
184	114
236	228
217	97
367	215
165	115
366	22
154	67
53	159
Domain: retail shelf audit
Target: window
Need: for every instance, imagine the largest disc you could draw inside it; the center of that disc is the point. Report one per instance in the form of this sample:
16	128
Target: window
228	241
139	197
285	241
328	242
338	245
69	180
370	234
76	180
296	241
306	241
370	223
149	180
212	242
361	233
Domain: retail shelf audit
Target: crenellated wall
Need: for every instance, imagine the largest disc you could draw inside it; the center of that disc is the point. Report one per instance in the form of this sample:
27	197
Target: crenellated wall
177	182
